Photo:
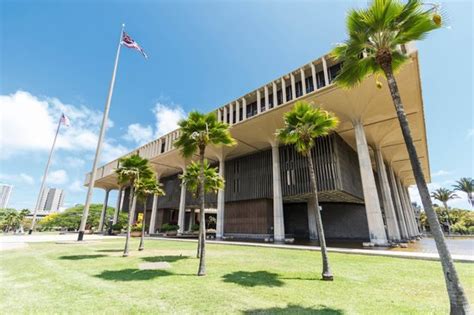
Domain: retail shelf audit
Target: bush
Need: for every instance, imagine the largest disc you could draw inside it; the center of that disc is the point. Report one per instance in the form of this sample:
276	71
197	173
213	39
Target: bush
195	227
137	227
167	227
459	228
470	230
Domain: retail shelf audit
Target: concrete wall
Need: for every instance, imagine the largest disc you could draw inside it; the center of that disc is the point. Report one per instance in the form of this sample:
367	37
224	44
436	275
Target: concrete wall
345	221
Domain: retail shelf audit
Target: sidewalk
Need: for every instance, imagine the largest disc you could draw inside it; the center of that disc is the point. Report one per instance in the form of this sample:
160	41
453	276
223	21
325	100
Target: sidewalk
368	252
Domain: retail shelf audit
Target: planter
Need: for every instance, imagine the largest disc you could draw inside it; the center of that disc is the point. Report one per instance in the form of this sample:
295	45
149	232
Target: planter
171	233
116	232
136	233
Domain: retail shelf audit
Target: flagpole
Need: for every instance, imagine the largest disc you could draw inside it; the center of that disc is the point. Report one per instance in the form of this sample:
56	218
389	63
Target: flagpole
43	181
85	213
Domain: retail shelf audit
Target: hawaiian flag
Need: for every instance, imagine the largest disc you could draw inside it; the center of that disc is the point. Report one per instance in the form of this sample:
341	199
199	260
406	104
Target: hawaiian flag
130	43
64	120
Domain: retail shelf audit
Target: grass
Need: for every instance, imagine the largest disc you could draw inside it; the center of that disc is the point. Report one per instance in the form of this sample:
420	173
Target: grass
94	278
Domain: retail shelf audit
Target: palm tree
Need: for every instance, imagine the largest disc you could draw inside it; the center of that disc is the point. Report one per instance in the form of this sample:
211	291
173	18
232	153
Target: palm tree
143	188
197	132
132	169
12	220
466	184
444	195
375	34
303	124
212	183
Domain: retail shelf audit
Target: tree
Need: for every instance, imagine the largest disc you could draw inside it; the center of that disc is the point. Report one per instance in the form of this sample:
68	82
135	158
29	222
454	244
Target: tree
375	34
303	124
212	183
132	169
466	185
144	188
444	195
197	132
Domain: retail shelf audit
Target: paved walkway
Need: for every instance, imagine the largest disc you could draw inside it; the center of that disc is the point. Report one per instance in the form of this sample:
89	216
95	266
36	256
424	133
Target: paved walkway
369	252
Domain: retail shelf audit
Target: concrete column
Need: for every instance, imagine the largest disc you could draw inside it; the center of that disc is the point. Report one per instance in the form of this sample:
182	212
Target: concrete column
225	115
283	90
372	205
182	208
303	81
293	87
259	102
411	233
237	111
390	216
119	205
398	205
278	218
411	210
313	231
220	203
192	216
104	211
244	109
313	74
154	208
267	101
231	114
275	96
218	114
325	71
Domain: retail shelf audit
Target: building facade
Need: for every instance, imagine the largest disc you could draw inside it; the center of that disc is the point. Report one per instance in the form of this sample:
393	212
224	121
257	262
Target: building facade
362	169
51	200
5	193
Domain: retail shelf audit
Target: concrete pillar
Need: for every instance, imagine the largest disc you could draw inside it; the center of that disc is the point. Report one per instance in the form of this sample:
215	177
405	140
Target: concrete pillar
372	205
259	102
398	205
244	109
283	90
303	82
275	95
325	71
390	216
231	114
267	101
293	87
237	111
182	208
313	231
411	210
104	211
154	208
313	74
411	233
192	216
119	205
220	203
225	115
218	113
278	218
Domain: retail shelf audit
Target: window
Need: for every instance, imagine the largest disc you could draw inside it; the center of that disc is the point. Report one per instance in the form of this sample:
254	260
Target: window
320	79
163	146
309	84
227	119
262	104
288	93
299	89
279	97
252	109
334	71
270	100
240	113
233	116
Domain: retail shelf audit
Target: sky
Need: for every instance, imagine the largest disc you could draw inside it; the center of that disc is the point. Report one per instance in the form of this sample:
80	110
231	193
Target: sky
57	56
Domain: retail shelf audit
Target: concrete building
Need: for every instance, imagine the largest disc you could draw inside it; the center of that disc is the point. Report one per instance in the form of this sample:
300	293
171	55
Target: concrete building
51	200
363	169
5	192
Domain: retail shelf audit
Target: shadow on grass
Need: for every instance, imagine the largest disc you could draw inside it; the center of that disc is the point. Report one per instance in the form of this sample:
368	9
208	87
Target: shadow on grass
169	259
132	274
296	309
81	257
255	278
109	250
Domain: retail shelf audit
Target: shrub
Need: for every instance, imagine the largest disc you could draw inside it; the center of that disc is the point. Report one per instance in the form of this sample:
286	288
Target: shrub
195	227
168	227
459	228
136	227
471	230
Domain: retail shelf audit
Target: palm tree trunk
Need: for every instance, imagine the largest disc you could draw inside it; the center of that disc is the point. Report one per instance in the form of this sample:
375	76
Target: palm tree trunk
198	253
327	274
202	224
448	221
131	213
142	246
457	298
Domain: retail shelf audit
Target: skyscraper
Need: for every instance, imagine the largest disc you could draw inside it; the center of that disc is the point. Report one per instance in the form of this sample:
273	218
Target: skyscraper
5	192
51	200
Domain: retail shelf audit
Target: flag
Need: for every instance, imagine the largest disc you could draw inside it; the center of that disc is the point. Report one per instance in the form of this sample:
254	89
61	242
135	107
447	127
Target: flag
64	120
130	43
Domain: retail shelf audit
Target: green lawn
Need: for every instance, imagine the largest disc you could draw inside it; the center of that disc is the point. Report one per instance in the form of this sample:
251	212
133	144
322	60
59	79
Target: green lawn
94	278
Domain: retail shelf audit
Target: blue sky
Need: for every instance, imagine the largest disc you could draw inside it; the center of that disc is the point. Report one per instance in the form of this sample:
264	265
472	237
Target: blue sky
58	56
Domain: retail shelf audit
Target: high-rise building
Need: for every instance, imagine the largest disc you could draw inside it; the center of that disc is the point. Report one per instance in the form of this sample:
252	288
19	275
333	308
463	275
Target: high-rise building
51	200
5	192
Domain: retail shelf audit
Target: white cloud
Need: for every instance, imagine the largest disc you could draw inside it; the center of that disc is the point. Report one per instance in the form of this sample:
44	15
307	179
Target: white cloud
440	173
73	162
28	123
76	186
57	177
470	133
21	178
139	134
112	151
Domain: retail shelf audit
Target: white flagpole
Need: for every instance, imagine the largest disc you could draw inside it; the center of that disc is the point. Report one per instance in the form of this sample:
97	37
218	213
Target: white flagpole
43	181
85	213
